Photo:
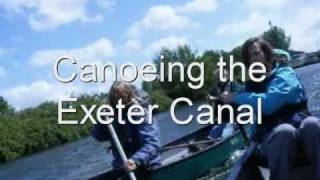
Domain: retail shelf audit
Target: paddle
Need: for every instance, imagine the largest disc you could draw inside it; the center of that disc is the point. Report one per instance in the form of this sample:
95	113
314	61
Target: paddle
120	149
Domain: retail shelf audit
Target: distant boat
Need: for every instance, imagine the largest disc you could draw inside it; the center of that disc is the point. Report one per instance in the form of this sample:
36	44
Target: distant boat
190	157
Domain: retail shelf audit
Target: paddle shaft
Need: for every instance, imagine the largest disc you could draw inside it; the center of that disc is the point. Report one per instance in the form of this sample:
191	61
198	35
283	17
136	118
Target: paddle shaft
120	149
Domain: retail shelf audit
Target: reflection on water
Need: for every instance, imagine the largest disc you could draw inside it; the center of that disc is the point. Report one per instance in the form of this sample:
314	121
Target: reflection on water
86	158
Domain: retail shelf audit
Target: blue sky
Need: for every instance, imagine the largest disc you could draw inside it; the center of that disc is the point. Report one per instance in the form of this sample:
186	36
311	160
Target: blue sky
34	33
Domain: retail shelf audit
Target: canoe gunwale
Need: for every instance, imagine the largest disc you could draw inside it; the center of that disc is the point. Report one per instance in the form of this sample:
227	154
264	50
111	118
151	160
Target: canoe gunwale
200	152
155	174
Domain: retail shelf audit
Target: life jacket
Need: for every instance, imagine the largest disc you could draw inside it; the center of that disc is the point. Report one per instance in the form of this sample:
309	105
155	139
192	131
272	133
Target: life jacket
292	114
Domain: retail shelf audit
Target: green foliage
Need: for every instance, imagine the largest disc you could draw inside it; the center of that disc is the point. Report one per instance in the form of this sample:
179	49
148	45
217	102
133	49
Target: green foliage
277	38
184	55
176	88
36	129
5	108
160	98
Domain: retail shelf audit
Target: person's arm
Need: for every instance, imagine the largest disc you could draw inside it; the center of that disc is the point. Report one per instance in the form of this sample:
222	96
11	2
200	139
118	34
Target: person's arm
149	136
283	88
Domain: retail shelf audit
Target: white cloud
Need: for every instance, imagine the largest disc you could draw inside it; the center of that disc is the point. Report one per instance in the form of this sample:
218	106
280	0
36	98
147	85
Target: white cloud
46	15
22	96
253	25
160	18
171	18
29	95
96	51
198	6
304	28
133	44
2	72
170	42
299	20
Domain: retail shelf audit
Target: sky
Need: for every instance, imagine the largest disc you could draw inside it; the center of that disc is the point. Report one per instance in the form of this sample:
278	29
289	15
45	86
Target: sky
34	33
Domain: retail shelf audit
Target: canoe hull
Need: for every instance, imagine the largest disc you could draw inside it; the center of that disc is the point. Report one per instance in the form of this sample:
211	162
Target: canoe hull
200	163
192	166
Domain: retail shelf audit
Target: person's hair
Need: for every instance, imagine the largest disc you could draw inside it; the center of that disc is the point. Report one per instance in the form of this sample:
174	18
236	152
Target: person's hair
121	90
265	46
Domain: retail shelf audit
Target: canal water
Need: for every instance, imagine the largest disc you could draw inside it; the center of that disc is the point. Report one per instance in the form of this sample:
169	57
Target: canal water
85	158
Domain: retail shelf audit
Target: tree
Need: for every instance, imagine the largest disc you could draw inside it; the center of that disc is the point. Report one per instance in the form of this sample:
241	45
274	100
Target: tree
277	37
163	92
174	89
5	108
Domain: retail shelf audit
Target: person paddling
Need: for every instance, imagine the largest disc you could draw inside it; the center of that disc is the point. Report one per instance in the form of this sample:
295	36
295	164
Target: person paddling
140	142
287	130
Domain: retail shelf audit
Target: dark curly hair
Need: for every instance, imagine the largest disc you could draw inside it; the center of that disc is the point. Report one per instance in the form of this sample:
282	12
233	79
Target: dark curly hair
266	47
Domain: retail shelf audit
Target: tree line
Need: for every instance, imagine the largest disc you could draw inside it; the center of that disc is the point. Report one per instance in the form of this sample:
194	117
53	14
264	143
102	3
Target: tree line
35	129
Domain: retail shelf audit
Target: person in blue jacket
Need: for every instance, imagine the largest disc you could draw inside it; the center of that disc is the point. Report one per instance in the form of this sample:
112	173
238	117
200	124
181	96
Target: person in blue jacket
141	143
287	128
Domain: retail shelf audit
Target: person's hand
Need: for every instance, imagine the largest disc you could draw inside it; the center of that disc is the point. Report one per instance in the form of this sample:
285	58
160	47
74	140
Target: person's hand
130	165
227	98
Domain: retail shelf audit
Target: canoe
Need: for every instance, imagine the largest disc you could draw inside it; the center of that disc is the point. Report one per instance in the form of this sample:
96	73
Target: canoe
245	169
188	162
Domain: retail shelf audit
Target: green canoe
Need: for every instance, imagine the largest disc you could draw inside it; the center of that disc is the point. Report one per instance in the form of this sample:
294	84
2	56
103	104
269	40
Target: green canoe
184	160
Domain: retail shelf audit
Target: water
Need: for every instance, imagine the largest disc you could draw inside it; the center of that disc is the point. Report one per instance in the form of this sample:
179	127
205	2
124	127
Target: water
310	77
85	158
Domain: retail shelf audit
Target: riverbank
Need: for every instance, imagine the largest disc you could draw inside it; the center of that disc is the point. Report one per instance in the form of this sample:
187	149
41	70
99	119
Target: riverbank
36	129
85	158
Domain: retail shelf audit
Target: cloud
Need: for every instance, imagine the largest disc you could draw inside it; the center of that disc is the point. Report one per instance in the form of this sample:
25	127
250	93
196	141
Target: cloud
46	15
96	51
2	72
253	25
171	18
160	18
198	6
300	21
170	42
133	44
29	95
304	28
